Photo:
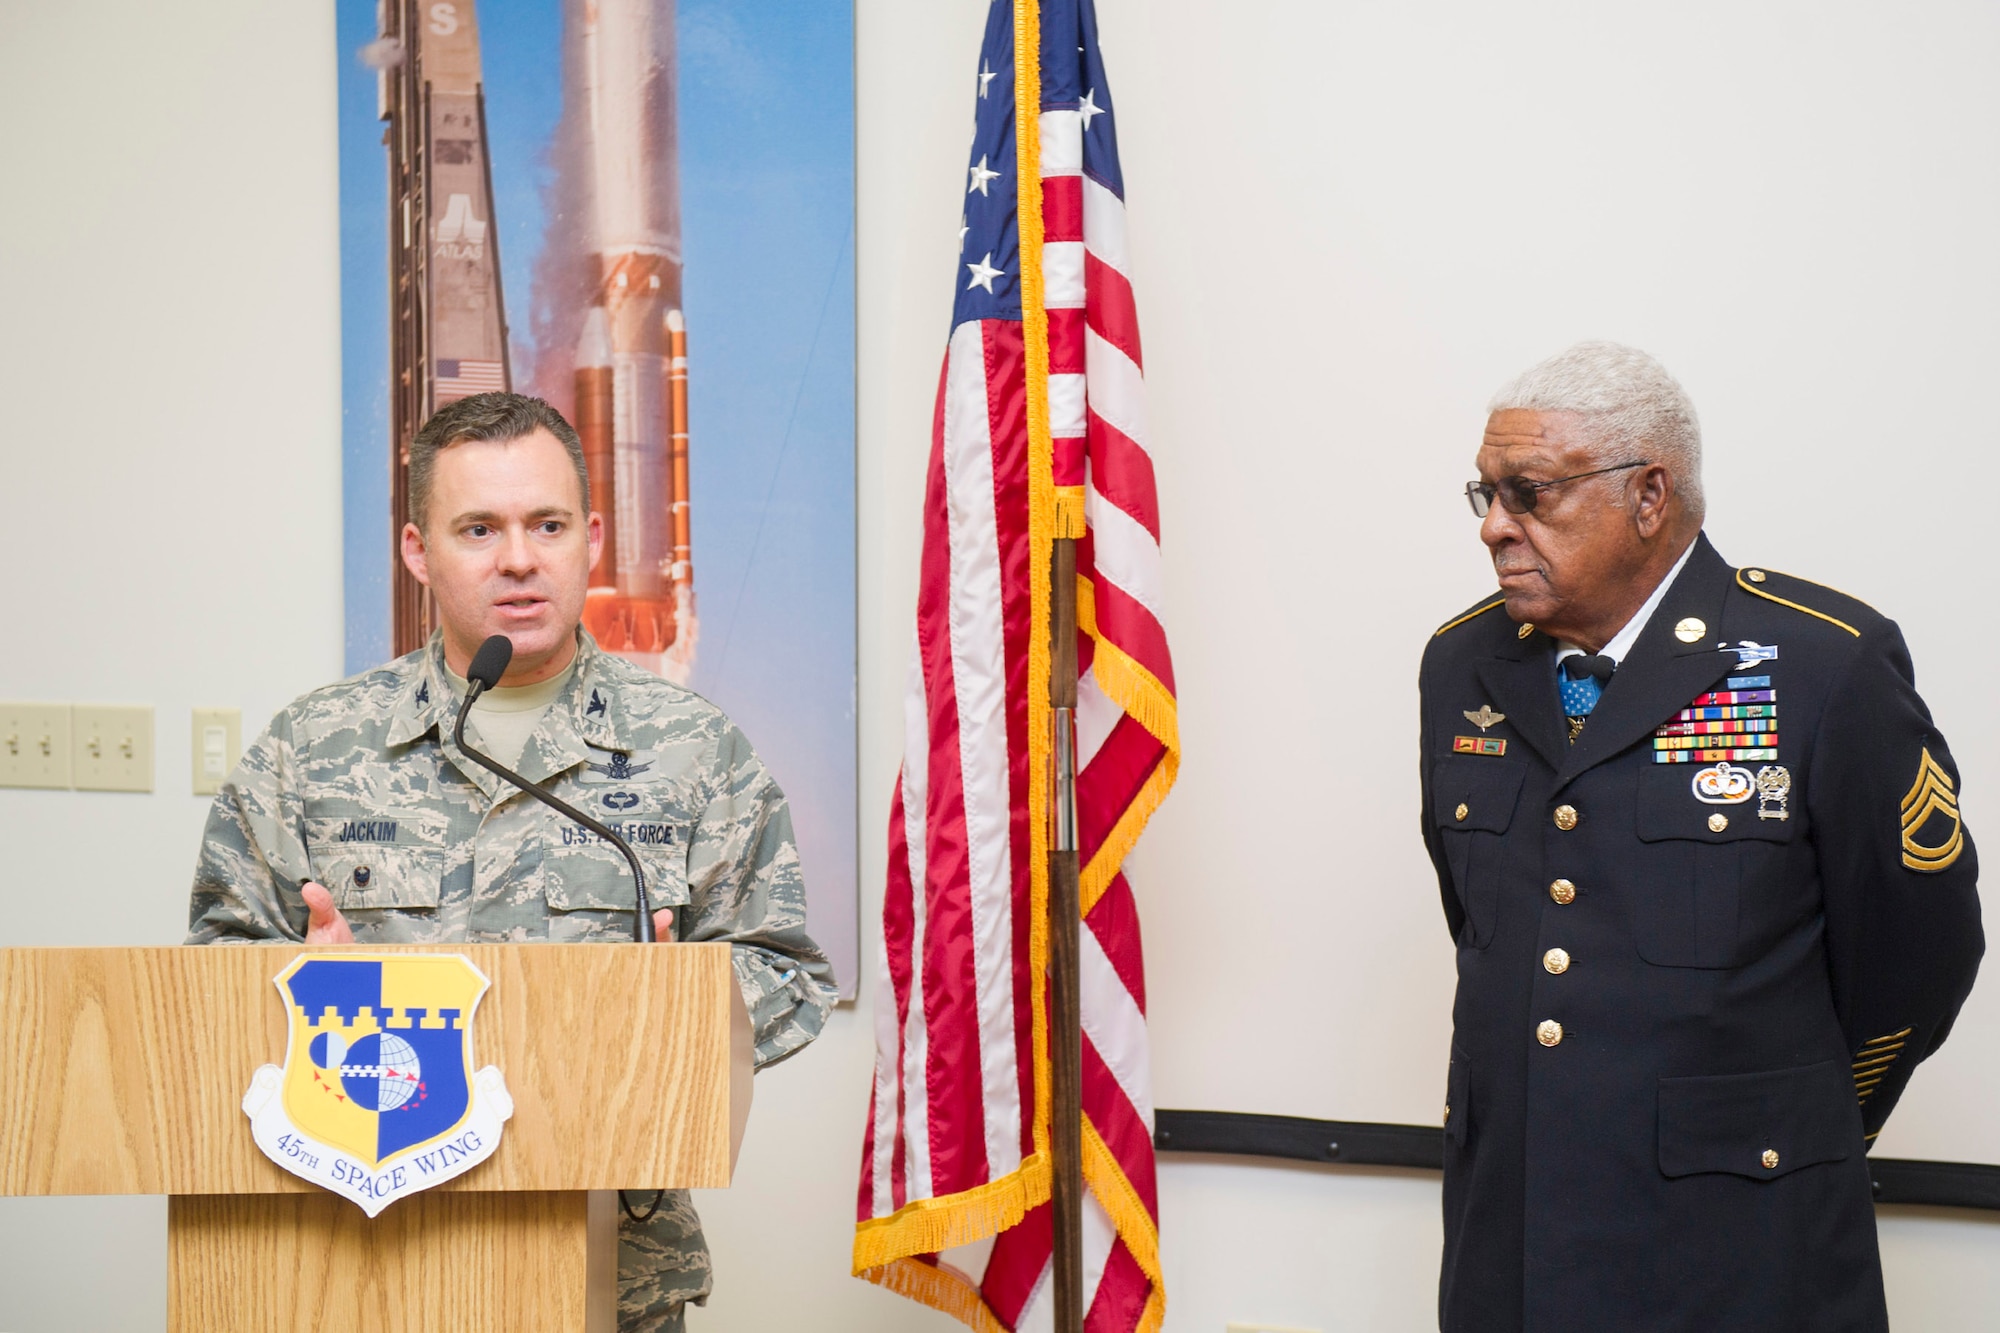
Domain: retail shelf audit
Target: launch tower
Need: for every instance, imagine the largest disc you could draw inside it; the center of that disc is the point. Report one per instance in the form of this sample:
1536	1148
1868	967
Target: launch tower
448	323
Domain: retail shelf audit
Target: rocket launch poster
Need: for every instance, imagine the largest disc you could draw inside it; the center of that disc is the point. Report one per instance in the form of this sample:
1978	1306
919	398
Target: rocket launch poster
643	212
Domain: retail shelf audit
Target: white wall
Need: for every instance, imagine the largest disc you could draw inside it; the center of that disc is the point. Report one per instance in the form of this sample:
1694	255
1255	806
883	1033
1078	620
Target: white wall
1350	222
170	463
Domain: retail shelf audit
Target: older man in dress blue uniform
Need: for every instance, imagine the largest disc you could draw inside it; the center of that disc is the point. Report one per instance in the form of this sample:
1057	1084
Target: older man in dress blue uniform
1700	850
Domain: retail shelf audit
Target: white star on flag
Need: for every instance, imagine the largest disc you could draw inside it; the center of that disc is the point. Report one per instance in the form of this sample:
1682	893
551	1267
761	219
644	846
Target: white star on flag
1089	108
986	76
963	227
980	175
983	273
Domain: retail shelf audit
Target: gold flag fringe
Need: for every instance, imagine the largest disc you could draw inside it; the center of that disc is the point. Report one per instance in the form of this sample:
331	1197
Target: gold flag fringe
1069	509
926	1226
1149	703
1121	1201
942	1288
1041	524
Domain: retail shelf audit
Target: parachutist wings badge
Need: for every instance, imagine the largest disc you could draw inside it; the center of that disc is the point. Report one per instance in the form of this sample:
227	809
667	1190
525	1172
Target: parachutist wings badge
378	1097
1485	717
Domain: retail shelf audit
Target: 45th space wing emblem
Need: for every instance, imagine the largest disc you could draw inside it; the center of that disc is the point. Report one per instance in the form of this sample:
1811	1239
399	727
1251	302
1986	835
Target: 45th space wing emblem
378	1097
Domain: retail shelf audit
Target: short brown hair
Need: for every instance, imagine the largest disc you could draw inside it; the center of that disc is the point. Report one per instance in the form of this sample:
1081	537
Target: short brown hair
485	416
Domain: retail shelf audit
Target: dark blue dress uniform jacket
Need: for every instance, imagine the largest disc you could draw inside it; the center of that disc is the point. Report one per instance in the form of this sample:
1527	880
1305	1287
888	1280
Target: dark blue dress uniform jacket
1745	998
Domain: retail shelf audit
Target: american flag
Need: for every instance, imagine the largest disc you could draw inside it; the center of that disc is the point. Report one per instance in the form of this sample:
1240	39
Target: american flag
1039	433
458	379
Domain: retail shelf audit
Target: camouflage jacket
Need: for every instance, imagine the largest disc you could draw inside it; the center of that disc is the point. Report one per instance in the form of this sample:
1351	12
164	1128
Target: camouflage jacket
359	787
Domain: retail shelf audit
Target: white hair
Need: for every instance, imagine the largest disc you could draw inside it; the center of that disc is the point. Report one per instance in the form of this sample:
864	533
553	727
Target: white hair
1632	407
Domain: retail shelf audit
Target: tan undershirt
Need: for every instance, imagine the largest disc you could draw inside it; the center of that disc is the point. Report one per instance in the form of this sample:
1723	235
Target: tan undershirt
505	717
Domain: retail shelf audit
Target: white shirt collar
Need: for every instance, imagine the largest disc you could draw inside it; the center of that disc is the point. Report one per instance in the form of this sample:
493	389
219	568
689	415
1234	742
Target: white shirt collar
1621	642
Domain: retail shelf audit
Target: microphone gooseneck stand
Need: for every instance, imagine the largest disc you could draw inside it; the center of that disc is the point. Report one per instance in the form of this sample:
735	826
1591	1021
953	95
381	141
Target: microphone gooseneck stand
488	665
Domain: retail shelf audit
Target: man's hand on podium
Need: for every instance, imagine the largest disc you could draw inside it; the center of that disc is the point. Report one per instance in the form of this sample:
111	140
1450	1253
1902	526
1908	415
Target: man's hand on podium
663	925
327	925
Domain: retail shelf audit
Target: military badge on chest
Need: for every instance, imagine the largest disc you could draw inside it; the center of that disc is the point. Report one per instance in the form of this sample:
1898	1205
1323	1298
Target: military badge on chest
1723	730
618	767
1774	789
1727	784
1482	717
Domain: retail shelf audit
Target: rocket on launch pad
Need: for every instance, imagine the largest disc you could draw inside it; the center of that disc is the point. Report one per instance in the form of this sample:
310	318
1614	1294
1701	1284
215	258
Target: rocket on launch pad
621	207
631	356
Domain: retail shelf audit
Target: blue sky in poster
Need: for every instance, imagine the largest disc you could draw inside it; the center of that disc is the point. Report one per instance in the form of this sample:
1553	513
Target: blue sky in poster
767	189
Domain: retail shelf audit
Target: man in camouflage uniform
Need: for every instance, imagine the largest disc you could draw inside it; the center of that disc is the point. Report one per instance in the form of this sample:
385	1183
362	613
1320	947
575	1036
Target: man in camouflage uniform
355	816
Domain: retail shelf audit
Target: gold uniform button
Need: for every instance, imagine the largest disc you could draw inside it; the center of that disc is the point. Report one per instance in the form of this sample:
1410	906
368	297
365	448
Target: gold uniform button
1770	1159
1524	631
1462	811
1718	822
1565	817
1556	961
1563	892
1447	1113
1549	1033
1755	575
1691	629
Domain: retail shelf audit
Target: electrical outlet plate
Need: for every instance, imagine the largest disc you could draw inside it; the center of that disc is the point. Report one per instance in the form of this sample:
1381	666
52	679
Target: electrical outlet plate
34	745
217	743
111	747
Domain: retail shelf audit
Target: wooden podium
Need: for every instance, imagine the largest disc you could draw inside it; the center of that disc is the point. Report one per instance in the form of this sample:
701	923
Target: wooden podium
122	1071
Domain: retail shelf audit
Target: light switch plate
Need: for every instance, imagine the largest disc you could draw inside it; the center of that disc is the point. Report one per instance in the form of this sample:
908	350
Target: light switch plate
111	747
217	743
34	745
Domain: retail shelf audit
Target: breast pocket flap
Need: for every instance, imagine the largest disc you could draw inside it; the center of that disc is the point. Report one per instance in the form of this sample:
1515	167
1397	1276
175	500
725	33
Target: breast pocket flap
363	878
1475	794
599	878
1761	1126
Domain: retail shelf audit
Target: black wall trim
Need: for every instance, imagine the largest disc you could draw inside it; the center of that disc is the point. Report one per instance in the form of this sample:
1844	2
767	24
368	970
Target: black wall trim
1366	1143
1941	1184
1354	1142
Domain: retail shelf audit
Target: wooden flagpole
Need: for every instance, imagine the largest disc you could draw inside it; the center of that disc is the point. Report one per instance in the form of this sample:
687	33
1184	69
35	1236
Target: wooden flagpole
1065	925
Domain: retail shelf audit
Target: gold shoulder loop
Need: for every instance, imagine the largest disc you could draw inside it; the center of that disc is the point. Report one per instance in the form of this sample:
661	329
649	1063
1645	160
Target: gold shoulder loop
1756	576
1476	611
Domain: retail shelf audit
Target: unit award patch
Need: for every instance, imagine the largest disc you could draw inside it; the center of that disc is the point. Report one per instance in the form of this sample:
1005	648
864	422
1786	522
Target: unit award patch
378	1098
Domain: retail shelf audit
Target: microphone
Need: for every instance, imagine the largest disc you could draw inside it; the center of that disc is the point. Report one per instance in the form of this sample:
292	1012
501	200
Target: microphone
488	665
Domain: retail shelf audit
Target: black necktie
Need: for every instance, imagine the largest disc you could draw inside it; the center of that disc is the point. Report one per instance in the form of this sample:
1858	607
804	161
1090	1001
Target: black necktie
1577	666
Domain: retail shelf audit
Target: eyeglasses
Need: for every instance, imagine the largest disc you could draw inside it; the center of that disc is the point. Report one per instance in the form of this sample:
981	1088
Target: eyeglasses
1518	495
